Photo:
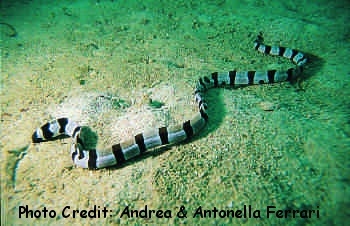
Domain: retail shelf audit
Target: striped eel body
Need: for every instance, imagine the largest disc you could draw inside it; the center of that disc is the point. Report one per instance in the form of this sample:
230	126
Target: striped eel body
84	140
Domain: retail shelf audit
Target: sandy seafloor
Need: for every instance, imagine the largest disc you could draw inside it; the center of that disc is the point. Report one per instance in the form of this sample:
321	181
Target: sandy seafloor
68	54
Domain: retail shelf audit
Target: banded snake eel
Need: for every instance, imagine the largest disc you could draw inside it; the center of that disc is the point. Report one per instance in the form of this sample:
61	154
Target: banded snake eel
83	150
